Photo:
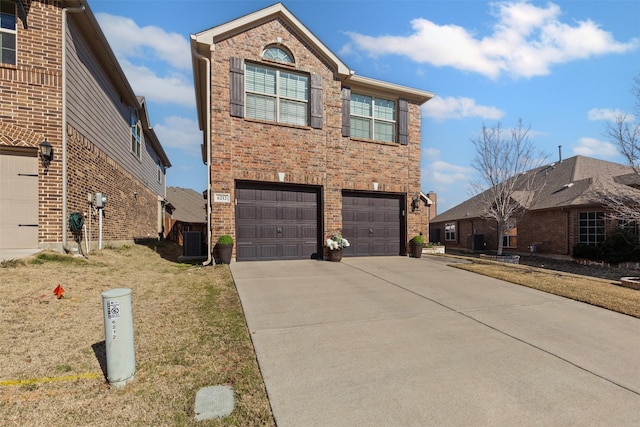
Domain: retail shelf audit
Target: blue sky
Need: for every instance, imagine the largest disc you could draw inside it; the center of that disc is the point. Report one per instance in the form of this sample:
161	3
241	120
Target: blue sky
563	67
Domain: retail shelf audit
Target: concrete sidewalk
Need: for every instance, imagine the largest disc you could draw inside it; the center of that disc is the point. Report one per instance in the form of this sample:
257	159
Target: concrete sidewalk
413	342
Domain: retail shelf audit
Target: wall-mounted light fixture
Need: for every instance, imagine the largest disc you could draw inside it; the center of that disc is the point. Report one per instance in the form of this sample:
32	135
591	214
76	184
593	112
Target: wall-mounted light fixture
46	153
415	203
375	186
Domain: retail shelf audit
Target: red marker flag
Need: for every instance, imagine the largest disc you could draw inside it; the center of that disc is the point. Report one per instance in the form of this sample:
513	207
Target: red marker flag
58	291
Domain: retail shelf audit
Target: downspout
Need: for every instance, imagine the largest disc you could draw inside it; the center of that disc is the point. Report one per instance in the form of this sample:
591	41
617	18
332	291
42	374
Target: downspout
64	122
208	142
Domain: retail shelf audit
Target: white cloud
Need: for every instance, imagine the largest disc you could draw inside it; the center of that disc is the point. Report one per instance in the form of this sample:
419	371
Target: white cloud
440	172
139	48
172	89
609	114
526	41
457	108
430	153
592	147
181	133
128	40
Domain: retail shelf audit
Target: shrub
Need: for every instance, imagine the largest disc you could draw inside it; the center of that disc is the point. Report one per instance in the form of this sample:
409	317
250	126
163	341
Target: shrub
225	239
418	240
619	246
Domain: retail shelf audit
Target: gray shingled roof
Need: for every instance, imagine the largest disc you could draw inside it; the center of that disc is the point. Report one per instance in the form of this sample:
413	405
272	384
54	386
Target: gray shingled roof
189	205
571	182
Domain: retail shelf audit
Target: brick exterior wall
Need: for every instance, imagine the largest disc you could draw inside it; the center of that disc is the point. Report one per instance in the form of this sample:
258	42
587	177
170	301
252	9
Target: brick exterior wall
126	216
31	110
554	232
252	150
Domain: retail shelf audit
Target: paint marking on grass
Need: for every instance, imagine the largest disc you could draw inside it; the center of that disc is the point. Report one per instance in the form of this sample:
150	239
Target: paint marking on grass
50	379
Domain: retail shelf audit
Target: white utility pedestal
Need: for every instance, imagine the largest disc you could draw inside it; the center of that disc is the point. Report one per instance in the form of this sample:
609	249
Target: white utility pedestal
118	336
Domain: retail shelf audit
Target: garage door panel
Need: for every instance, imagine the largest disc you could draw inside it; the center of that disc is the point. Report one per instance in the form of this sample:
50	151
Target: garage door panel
372	224
286	224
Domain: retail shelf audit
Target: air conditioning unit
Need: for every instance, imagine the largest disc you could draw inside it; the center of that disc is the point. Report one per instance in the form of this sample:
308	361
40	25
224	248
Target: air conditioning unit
192	243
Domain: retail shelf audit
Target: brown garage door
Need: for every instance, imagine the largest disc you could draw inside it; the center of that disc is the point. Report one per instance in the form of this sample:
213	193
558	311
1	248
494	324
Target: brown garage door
372	224
18	200
276	222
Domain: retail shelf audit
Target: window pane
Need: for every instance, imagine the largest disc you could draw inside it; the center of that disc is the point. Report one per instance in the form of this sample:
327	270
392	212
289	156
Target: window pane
360	127
384	131
361	105
277	54
260	79
261	107
8	41
8	21
8	56
293	112
385	109
293	86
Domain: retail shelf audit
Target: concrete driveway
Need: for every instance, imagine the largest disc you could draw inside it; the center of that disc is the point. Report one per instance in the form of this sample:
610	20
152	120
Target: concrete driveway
400	341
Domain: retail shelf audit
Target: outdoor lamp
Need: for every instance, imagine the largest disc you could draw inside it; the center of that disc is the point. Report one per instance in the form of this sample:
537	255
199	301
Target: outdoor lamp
46	153
415	203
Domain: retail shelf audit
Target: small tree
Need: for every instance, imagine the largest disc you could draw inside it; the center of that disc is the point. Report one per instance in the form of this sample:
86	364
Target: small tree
508	185
624	132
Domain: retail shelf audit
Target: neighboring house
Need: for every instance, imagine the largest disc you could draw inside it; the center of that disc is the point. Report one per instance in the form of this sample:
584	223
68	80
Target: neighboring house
299	146
186	214
568	212
61	83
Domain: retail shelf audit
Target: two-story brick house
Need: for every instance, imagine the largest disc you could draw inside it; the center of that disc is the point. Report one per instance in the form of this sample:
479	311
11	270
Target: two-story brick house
61	83
299	146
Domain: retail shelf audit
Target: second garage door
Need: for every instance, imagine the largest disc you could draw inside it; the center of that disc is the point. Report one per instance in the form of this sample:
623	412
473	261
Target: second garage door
276	222
372	224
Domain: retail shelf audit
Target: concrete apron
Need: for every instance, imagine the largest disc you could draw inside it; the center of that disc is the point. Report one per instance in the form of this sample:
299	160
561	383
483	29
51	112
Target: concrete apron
405	341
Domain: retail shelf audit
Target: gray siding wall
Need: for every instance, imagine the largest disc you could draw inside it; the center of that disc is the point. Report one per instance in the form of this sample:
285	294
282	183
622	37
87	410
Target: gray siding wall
95	108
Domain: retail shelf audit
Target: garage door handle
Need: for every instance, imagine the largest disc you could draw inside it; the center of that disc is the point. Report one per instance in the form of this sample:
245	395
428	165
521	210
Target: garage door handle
27	225
371	231
279	230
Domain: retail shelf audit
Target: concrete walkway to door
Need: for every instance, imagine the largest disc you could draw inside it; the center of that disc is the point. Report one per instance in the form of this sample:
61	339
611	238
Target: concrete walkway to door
399	341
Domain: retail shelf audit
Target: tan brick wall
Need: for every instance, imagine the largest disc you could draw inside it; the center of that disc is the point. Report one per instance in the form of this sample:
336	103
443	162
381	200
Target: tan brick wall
31	110
253	150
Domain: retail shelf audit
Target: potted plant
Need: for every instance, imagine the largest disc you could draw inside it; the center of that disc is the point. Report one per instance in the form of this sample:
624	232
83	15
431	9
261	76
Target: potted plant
335	244
225	248
415	246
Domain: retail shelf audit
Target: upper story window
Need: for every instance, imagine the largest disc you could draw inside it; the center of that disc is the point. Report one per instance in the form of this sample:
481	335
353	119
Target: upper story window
276	95
8	32
277	54
136	133
373	118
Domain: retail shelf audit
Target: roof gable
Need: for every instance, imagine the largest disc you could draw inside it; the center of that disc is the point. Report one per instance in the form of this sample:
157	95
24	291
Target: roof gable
244	23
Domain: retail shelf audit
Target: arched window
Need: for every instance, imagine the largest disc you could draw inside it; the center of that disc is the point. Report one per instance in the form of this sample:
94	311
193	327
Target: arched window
274	53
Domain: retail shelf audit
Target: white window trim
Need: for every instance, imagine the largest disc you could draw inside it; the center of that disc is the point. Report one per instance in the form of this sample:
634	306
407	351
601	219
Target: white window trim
372	119
277	97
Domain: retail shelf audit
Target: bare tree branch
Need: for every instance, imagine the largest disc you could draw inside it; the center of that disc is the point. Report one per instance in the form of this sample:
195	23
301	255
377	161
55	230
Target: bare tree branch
508	186
624	132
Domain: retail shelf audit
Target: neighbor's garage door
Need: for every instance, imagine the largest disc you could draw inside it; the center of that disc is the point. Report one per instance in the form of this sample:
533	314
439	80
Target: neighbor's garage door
372	224
18	200
276	222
